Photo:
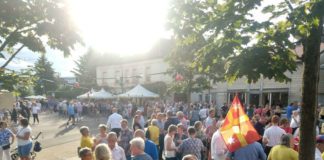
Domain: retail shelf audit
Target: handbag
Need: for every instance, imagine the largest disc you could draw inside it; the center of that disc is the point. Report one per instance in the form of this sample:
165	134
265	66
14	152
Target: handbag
5	147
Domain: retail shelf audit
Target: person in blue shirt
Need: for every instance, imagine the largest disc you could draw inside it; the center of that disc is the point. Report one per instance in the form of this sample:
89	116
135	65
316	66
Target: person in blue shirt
253	151
71	113
290	108
150	147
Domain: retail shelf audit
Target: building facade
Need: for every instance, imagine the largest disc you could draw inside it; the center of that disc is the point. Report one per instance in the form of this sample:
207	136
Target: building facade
126	75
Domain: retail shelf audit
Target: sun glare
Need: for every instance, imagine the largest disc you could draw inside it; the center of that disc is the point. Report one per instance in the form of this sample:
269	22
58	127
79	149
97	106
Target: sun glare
124	27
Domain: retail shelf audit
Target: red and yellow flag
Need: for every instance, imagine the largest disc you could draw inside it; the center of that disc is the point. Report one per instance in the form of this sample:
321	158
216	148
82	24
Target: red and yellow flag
237	130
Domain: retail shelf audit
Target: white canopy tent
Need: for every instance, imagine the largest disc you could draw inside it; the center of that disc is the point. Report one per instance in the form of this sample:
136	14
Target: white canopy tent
36	97
102	94
139	92
86	95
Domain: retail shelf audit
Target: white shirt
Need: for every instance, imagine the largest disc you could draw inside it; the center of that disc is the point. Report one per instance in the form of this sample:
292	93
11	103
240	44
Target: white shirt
35	109
318	155
21	132
169	154
218	147
114	121
142	121
294	123
273	134
118	153
209	122
203	113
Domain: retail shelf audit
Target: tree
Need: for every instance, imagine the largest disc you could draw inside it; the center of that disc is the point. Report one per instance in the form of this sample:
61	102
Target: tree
35	24
251	48
20	83
46	79
180	63
85	71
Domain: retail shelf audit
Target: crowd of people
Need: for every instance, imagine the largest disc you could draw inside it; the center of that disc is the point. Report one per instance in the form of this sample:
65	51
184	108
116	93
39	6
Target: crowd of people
166	131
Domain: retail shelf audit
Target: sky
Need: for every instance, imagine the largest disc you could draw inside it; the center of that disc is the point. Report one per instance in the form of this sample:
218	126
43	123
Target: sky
110	26
123	27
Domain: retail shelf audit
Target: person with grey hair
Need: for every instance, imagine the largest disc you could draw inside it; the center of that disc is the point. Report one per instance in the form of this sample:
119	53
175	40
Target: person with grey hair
102	152
117	152
102	136
150	148
284	150
190	157
137	149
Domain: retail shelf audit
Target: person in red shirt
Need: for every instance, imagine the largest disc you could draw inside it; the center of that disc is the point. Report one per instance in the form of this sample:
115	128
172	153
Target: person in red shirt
284	124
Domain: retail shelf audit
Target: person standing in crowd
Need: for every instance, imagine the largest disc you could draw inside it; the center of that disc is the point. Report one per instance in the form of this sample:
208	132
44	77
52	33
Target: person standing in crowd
203	113
136	123
290	108
160	120
180	135
14	114
272	134
126	135
259	125
199	130
277	111
141	120
171	120
295	121
86	140
35	111
153	132
218	149
210	119
192	145
137	149
117	152
85	154
150	148
71	113
250	111
194	115
253	151
284	124
170	148
284	150
114	121
102	152
319	147
24	141
79	111
182	119
24	111
102	136
5	135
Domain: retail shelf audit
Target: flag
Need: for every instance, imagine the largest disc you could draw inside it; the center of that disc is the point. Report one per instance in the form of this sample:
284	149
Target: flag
237	130
178	77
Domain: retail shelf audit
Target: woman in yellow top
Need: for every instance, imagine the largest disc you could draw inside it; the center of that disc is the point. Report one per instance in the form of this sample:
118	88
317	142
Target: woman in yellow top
154	131
86	140
284	150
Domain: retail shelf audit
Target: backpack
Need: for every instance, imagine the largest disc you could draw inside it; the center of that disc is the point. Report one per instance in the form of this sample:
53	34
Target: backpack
37	147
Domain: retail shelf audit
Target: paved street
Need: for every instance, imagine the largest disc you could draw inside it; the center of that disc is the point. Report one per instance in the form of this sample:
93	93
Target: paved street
58	141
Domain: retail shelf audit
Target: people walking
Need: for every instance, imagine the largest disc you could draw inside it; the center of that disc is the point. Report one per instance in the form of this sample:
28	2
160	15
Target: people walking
114	122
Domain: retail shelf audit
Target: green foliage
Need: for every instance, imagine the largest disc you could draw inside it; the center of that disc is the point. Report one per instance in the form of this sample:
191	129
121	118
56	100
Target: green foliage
46	80
85	71
19	83
157	87
68	92
36	24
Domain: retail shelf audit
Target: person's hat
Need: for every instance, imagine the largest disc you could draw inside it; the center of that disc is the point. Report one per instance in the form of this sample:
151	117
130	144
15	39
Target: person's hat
320	139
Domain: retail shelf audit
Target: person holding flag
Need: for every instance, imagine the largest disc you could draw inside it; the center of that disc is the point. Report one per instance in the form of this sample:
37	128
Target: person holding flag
240	136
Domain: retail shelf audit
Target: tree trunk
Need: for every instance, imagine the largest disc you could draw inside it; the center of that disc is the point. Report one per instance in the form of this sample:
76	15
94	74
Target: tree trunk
310	91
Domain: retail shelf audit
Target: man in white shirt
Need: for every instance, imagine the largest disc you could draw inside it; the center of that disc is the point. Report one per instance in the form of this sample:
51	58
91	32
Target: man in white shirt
142	120
35	110
272	135
117	152
218	149
114	122
210	118
203	113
